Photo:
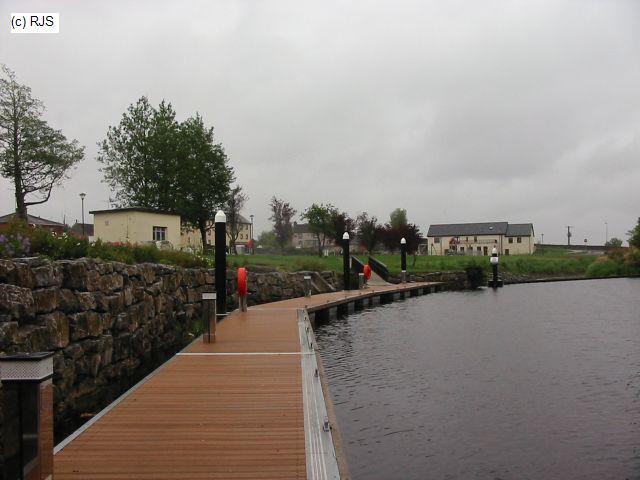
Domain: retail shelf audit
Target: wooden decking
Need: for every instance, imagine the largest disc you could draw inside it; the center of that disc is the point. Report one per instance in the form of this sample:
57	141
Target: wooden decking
235	409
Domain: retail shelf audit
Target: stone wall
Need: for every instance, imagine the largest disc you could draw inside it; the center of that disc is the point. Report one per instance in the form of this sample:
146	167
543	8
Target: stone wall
451	280
110	324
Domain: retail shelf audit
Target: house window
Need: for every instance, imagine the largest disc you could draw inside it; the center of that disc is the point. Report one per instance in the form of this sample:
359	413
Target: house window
486	251
159	234
475	239
436	240
510	240
479	250
519	239
506	251
461	249
106	222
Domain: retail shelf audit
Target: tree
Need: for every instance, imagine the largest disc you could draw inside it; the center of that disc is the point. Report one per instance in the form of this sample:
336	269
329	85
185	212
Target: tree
634	235
203	178
233	207
32	154
151	160
369	231
282	213
343	223
140	156
613	243
398	218
267	239
320	218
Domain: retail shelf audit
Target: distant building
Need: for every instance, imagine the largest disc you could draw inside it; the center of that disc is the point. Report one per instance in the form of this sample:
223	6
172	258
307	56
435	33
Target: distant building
77	230
303	237
481	238
194	239
33	221
136	225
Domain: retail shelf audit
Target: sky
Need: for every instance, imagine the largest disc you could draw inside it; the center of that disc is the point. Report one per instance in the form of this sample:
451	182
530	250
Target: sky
457	111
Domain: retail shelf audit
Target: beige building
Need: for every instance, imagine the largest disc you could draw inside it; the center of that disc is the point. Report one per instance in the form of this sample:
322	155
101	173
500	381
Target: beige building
194	239
136	225
481	238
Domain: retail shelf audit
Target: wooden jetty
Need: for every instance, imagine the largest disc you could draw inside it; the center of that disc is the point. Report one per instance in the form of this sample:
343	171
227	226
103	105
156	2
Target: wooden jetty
250	405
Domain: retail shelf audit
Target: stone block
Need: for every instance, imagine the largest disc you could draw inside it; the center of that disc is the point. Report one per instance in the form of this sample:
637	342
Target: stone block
48	276
8	334
84	325
17	302
45	299
86	301
67	300
57	324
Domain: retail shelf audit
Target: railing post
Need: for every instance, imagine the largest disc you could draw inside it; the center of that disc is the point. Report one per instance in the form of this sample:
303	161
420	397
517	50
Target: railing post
209	317
307	285
28	415
403	260
360	281
346	267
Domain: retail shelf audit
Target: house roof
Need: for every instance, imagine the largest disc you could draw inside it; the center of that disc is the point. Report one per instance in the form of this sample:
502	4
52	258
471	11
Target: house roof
31	220
77	229
134	209
458	229
520	229
301	228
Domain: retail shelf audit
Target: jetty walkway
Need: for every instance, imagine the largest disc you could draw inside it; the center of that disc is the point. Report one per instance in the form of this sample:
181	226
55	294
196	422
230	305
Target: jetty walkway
250	405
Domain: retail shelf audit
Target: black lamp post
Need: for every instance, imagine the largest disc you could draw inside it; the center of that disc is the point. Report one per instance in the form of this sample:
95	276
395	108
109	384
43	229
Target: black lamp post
82	195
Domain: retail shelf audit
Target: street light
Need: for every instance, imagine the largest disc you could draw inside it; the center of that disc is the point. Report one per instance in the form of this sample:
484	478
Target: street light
251	235
82	195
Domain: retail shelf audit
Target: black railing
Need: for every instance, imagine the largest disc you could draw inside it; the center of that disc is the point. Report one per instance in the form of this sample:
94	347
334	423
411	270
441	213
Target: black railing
379	268
356	265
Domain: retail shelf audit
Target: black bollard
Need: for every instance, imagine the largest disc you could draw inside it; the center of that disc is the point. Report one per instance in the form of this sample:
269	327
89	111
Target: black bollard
221	262
346	270
494	268
403	259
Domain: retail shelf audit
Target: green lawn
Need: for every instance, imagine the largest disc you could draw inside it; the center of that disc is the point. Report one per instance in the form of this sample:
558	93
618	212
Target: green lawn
558	262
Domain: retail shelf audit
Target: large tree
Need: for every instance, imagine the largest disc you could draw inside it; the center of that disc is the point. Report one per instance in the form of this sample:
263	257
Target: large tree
398	218
204	176
33	155
369	231
342	223
140	156
233	207
281	215
634	235
152	160
320	219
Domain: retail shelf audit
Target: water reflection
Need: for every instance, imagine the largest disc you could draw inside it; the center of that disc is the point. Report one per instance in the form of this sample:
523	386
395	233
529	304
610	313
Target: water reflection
531	381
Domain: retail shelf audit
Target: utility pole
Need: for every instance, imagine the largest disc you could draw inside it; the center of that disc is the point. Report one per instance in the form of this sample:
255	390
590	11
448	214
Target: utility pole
569	227
606	232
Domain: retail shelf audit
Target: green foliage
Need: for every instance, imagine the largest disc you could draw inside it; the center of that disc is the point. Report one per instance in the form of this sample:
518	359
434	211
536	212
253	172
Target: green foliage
475	275
37	241
613	243
634	236
233	207
33	155
152	160
267	239
398	218
370	231
281	214
320	218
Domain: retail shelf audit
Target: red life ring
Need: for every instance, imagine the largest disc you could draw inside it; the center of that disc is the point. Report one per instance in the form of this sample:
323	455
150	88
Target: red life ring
367	272
242	282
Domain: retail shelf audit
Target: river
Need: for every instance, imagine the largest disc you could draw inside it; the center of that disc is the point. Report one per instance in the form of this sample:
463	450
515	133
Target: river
532	381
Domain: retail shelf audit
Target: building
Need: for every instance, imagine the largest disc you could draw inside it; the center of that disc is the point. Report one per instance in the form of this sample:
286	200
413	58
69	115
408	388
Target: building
136	225
33	221
481	238
303	237
193	238
78	231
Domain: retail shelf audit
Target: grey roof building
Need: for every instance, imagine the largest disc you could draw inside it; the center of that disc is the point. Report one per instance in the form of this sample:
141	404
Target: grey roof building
481	238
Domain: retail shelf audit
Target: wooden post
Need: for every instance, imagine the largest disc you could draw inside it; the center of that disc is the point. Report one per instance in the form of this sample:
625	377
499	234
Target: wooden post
346	267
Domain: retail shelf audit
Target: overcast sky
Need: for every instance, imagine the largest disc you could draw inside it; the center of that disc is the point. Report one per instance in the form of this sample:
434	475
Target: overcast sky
457	111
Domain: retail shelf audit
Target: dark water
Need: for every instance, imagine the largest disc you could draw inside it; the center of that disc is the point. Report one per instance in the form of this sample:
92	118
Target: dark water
538	381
